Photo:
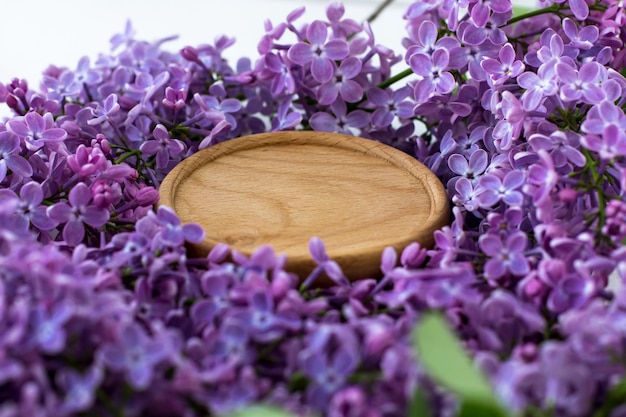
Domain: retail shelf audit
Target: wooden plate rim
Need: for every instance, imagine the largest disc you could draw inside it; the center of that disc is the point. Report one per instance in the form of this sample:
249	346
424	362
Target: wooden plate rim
437	217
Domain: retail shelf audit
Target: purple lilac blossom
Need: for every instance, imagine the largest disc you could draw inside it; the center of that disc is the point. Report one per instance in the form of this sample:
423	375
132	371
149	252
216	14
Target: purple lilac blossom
104	311
319	51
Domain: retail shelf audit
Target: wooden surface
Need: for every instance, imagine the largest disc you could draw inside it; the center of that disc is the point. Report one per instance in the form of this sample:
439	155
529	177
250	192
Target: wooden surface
282	188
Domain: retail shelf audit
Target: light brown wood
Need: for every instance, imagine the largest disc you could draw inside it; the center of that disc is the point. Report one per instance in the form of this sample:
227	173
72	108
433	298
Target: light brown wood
282	188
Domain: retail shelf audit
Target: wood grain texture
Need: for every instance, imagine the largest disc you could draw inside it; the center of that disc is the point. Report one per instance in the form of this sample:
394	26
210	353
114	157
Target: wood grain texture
282	188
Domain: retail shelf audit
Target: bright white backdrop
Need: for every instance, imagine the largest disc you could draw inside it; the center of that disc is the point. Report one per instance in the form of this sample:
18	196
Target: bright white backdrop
37	33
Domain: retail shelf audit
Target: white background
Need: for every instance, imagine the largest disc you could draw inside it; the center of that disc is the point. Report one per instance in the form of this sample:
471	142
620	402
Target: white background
37	33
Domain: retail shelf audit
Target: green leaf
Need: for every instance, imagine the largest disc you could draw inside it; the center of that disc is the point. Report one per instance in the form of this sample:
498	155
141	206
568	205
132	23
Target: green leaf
419	405
445	360
261	411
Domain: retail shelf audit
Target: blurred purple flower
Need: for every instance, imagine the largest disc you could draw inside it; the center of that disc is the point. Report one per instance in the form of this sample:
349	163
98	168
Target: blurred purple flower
173	232
80	388
465	194
328	373
562	146
48	331
135	354
542	177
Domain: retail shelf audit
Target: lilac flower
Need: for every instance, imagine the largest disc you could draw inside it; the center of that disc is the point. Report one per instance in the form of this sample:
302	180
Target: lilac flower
563	147
426	42
48	327
214	110
80	389
569	383
466	195
87	161
10	157
105	111
163	146
37	130
342	28
342	122
319	52
542	176
601	115
480	10
328	373
389	104
285	119
539	85
77	213
173	232
435	78
493	189
324	264
28	207
265	324
471	168
278	70
581	84
510	127
175	99
583	38
63	85
505	256
475	35
219	131
506	67
343	85
136	354
551	52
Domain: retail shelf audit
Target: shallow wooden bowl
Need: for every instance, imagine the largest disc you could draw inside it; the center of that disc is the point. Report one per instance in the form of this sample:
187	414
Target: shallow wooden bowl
282	188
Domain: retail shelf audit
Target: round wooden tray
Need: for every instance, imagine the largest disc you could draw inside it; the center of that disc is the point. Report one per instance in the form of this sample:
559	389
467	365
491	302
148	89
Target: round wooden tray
281	188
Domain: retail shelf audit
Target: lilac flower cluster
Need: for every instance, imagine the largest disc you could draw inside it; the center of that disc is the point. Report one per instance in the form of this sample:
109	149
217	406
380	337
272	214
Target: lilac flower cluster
103	311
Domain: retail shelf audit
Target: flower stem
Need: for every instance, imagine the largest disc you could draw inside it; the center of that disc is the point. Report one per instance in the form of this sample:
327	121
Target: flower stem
551	9
381	7
395	78
134	152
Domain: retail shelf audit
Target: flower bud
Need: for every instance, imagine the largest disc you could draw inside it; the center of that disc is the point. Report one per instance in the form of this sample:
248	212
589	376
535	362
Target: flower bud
147	196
